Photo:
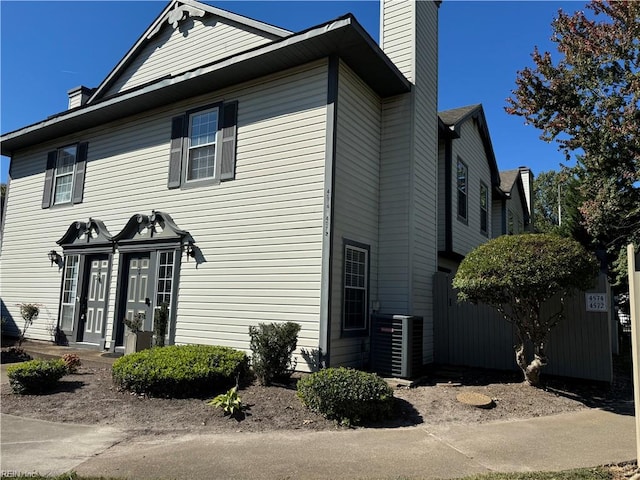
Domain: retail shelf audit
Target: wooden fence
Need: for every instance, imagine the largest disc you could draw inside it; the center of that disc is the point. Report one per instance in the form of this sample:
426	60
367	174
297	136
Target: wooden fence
579	346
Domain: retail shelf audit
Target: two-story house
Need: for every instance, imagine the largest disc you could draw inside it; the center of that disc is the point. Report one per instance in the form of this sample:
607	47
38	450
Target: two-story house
239	173
512	207
476	201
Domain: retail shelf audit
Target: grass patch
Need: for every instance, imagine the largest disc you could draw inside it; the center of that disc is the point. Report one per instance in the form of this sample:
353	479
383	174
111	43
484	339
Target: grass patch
64	476
598	473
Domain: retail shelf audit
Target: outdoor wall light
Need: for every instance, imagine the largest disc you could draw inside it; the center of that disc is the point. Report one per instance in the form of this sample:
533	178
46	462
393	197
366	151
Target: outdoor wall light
190	250
54	257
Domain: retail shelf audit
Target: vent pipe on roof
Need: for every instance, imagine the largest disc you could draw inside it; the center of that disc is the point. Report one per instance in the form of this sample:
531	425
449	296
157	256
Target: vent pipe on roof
78	96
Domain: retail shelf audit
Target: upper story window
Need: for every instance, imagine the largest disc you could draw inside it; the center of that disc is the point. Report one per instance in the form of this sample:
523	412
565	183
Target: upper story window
484	208
356	288
203	131
64	175
203	146
462	176
510	223
65	167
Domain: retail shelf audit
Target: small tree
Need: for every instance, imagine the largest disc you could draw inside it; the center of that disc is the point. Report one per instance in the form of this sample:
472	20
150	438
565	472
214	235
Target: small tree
516	275
29	312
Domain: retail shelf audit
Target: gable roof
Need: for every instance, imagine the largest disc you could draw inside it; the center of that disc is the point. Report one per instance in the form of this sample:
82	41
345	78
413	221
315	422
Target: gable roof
455	116
172	13
450	124
510	179
343	37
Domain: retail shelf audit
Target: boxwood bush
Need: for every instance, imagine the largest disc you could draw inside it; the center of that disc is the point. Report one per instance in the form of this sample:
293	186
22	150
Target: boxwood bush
36	376
349	396
272	346
180	371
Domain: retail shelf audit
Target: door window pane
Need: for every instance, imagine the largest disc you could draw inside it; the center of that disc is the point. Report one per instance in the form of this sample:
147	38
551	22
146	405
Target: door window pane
69	289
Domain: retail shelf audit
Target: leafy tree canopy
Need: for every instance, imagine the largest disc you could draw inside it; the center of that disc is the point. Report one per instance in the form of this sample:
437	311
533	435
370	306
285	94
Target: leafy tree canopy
556	201
517	274
589	102
514	272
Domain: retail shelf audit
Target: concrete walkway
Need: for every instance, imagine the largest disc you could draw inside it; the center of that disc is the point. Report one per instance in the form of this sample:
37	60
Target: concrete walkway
580	439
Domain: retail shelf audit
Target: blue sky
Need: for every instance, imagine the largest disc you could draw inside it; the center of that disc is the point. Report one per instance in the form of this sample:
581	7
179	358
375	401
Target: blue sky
49	47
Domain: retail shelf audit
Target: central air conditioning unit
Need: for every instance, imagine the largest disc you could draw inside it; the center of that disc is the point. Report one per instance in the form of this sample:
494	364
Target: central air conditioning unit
396	345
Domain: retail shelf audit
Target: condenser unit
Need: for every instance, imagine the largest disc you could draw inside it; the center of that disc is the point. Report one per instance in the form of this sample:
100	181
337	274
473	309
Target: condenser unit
396	345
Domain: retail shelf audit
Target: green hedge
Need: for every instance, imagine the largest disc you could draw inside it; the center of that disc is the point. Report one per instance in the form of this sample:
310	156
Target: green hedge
179	371
349	396
272	346
36	376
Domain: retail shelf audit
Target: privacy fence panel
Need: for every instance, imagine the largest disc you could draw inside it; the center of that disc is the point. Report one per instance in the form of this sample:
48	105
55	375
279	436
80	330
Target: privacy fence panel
477	336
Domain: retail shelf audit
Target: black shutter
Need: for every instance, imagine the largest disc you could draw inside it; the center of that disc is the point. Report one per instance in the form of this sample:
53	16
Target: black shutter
229	129
52	157
81	166
175	157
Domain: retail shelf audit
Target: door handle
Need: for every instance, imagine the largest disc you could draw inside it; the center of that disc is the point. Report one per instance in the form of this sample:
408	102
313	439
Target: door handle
147	301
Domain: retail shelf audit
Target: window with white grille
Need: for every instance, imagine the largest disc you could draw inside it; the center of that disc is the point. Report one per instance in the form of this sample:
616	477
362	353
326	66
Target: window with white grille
356	285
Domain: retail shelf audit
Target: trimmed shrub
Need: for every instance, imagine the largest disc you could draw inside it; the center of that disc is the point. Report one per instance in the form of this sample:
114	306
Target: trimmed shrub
349	396
272	347
36	376
180	371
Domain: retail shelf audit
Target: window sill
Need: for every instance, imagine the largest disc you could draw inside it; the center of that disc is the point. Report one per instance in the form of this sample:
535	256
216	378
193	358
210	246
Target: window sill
61	205
200	183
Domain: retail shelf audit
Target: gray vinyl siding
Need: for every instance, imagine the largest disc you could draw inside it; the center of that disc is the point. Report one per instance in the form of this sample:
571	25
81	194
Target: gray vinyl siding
171	52
497	219
260	235
424	239
469	147
408	178
397	34
442	199
516	205
478	336
393	279
355	215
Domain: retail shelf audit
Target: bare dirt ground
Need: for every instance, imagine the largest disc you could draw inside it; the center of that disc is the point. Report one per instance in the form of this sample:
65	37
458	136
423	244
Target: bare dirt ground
89	397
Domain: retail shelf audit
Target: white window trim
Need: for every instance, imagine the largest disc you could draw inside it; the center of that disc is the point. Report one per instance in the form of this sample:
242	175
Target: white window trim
189	148
73	292
350	246
57	175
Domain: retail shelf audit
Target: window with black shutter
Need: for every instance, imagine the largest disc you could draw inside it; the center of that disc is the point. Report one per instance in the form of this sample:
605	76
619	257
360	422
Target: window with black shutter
203	146
65	174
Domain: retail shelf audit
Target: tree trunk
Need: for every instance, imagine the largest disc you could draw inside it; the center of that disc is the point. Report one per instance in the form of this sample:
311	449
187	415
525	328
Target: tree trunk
531	370
521	359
